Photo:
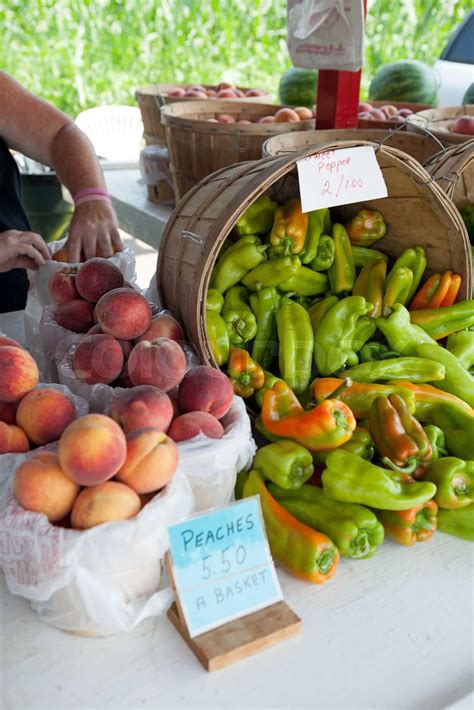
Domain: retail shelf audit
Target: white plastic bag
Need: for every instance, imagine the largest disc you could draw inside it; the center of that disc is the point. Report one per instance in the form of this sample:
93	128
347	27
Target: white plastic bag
39	296
107	579
326	34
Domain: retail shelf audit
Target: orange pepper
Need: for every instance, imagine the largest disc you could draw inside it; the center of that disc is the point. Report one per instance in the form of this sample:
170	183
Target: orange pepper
245	374
290	224
438	290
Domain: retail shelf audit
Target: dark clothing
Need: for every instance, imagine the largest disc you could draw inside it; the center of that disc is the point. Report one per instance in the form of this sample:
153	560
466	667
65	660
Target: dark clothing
14	283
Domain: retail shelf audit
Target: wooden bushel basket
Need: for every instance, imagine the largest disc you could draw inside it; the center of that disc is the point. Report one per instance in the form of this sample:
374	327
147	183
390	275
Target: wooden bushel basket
416	210
421	147
198	147
453	170
150	98
439	121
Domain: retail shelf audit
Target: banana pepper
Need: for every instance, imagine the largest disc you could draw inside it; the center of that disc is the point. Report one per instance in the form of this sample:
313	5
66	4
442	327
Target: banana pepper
415	260
285	463
258	218
349	478
359	396
325	254
272	273
236	261
265	304
304	552
366	227
454	479
462	345
370	284
240	321
305	282
415	369
216	329
295	335
438	290
355	530
316	220
397	286
341	273
318	310
289	228
269	380
360	443
443	321
375	350
428	400
245	374
437	440
458	428
364	255
458	522
399	437
326	426
412	525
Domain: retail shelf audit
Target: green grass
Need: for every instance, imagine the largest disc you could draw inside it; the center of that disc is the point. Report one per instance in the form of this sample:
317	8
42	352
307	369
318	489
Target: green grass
81	53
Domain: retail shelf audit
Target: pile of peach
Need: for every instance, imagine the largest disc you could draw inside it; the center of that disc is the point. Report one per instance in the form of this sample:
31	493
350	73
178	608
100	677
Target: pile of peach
224	90
133	445
283	115
29	417
367	112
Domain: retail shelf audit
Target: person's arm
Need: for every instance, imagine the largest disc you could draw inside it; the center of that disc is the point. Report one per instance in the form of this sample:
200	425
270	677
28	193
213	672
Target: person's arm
37	129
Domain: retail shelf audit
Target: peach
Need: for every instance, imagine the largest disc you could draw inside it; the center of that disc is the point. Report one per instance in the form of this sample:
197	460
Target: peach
5	340
211	93
104	503
205	389
244	120
212	120
365	115
364	106
378	115
76	315
464	125
41	486
195	94
160	362
191	424
18	373
389	110
177	92
152	459
303	112
286	115
44	414
224	85
92	449
254	92
266	119
8	412
95	330
196	87
404	112
226	94
225	118
98	359
123	313
62	286
12	439
126	346
123	380
142	406
96	277
163	326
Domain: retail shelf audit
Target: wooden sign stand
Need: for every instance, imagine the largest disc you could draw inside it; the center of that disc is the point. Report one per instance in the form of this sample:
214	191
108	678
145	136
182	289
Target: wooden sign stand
239	638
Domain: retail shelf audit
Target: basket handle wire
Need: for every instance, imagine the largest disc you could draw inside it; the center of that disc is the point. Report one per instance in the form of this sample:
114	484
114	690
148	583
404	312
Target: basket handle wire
195	239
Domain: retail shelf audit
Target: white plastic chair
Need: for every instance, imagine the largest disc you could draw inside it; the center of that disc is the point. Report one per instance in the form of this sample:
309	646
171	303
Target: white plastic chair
115	131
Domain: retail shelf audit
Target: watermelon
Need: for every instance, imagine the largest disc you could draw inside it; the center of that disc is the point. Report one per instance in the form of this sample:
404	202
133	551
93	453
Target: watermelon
469	96
406	81
298	87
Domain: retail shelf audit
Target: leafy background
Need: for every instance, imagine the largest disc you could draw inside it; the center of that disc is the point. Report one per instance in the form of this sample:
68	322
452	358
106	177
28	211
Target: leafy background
81	53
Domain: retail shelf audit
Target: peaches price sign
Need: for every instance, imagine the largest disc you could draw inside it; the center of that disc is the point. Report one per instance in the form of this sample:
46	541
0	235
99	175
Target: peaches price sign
222	566
340	177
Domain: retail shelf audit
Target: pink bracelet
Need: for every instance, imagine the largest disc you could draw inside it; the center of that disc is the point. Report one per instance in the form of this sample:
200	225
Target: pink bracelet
91	193
92	198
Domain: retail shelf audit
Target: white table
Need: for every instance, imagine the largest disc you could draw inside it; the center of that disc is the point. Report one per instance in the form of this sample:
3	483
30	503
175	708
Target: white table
395	631
136	215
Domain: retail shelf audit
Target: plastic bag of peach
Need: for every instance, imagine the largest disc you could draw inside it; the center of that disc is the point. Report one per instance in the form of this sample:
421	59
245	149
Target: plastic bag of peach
107	579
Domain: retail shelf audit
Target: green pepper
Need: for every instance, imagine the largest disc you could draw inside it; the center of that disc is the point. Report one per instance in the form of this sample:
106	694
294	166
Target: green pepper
306	553
355	530
415	260
325	254
365	255
360	443
443	321
314	231
402	336
457	380
349	478
305	282
240	321
458	522
319	310
462	345
295	335
214	300
458	428
285	463
364	330
408	527
272	273
269	381
239	259
366	227
371	283
239	484
258	218
359	396
375	350
333	340
218	337
437	441
265	304
342	271
397	286
454	479
415	369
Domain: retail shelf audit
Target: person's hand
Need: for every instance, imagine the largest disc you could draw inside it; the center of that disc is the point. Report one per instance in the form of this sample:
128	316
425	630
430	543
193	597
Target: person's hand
93	229
22	250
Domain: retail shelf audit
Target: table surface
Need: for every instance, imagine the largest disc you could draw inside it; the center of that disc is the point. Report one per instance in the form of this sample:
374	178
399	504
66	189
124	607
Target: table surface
395	631
136	214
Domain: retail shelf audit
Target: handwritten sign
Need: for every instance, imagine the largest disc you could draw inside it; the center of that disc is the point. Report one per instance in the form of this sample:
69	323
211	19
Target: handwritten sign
222	566
340	177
